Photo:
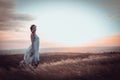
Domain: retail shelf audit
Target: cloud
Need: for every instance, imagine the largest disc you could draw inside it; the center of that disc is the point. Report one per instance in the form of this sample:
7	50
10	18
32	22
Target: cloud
114	8
9	18
23	17
6	7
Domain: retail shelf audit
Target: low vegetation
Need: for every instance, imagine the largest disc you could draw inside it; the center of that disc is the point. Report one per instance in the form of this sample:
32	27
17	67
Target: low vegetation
63	66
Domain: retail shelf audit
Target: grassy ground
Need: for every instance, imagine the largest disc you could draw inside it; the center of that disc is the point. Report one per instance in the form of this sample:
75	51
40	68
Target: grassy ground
63	66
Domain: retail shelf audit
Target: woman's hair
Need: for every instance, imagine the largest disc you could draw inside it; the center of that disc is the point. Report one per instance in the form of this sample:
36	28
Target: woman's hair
32	27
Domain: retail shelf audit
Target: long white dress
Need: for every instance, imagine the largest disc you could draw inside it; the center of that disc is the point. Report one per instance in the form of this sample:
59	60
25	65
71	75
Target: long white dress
35	58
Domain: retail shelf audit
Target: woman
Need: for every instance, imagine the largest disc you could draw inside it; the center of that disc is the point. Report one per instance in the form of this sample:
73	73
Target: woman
31	57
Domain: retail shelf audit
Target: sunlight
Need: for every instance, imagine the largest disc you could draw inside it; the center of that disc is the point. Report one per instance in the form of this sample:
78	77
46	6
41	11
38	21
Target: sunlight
71	26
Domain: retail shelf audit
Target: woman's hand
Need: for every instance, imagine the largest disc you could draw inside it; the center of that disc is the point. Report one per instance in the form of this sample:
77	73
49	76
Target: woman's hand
32	53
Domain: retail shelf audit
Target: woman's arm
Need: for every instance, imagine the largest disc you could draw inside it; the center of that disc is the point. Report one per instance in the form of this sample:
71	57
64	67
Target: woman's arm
32	41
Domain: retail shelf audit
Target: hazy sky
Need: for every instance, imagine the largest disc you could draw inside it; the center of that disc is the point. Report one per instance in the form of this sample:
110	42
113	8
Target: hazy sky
61	22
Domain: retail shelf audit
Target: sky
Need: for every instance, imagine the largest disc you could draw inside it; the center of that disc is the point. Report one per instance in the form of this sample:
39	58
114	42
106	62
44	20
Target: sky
60	23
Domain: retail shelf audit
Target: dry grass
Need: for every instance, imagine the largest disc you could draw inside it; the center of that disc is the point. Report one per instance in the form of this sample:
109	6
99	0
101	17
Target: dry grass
63	66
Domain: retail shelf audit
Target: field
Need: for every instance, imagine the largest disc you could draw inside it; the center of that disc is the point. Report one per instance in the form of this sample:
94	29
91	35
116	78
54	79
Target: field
63	66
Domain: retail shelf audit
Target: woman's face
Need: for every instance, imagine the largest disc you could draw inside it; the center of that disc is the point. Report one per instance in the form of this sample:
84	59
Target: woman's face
33	29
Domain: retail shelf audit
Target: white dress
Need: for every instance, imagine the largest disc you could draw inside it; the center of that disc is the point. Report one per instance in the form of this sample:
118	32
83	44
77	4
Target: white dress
35	58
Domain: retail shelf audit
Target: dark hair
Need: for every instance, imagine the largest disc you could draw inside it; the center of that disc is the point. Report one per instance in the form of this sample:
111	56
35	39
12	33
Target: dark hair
32	27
